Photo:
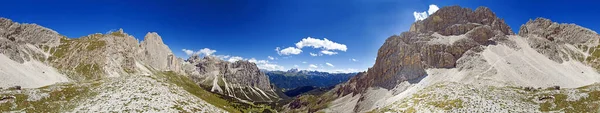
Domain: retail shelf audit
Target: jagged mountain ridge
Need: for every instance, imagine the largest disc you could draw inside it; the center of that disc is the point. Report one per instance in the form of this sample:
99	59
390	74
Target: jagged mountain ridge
471	48
105	65
90	57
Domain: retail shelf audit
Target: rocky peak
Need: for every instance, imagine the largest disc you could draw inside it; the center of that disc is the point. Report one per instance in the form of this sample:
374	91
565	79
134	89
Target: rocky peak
14	37
293	70
153	37
435	42
567	33
158	55
120	31
193	59
455	20
560	42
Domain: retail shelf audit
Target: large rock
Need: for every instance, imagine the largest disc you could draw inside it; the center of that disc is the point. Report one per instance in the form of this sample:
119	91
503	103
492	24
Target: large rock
562	42
157	55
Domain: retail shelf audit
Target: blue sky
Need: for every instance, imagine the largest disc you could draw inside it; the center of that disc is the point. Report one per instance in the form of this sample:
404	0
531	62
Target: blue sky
254	29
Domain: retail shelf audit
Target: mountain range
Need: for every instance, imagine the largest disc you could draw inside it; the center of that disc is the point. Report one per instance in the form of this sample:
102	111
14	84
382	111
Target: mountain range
463	60
455	60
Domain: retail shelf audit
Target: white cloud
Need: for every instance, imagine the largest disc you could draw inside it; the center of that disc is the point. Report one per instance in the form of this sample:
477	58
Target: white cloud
328	52
420	16
271	58
269	66
432	9
223	56
328	47
235	58
207	51
312	66
188	52
288	51
353	60
349	70
423	15
296	66
261	64
304	62
329	64
318	43
253	60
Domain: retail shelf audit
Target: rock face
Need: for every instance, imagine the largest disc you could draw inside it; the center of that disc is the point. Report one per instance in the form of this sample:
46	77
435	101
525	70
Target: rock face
14	37
240	79
436	42
157	55
562	42
89	57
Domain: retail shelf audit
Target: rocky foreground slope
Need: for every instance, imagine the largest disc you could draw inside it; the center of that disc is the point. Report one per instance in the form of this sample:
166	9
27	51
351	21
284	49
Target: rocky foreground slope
44	71
463	60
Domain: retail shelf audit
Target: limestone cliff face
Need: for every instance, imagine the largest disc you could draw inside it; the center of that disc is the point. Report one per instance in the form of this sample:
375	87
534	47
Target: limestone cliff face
15	37
158	55
436	42
240	79
562	42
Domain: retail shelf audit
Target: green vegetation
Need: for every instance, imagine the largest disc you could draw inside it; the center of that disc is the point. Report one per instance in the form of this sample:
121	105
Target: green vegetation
560	103
89	71
313	103
62	49
447	104
95	44
594	55
78	51
119	34
62	99
221	101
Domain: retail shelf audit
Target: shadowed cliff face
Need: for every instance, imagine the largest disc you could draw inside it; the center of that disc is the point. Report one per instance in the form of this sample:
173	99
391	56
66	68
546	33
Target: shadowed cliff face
436	42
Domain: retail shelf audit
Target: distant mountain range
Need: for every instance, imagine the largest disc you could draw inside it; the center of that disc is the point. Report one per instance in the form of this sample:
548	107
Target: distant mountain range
294	78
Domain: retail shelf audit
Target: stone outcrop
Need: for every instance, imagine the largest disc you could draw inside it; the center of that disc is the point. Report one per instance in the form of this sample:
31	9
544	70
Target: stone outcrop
562	42
15	36
240	79
158	55
436	42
